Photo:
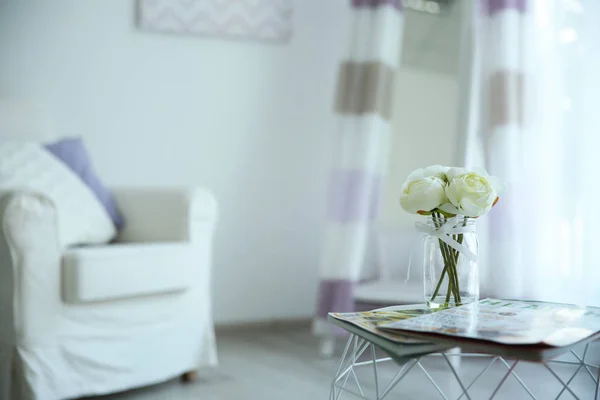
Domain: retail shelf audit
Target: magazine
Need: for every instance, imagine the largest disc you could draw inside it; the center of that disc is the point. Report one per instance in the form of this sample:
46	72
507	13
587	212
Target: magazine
370	320
508	322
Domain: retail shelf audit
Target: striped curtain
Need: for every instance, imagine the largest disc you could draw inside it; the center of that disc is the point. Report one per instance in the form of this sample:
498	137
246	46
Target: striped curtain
364	106
536	64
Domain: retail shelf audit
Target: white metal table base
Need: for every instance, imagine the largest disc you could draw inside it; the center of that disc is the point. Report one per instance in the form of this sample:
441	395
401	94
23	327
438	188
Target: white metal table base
357	347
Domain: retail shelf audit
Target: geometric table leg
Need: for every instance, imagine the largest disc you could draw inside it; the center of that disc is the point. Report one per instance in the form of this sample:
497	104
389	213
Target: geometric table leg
433	382
346	367
560	380
569	381
504	379
523	385
356	346
374	357
492	361
597	385
582	361
332	394
406	368
465	392
346	370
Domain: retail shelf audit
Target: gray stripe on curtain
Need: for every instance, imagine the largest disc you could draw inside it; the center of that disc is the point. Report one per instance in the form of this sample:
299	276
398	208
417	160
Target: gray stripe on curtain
365	87
506	99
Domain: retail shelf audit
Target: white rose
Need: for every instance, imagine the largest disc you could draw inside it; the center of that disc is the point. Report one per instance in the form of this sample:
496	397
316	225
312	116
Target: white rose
456	171
438	171
453	172
471	193
424	190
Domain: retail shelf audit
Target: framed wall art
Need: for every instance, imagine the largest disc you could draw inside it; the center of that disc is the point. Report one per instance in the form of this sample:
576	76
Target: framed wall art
263	20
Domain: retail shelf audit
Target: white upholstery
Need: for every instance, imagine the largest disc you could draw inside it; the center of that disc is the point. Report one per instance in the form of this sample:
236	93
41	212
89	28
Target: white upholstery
53	349
81	218
125	270
139	203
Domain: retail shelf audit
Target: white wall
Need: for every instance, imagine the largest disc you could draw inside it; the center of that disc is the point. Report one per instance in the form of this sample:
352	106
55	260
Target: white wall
250	120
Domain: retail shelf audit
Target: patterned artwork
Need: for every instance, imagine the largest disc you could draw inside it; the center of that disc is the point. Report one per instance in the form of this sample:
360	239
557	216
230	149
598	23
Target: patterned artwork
269	20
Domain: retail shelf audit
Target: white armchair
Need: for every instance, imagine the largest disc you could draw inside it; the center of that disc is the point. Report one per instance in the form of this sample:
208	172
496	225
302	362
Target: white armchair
98	319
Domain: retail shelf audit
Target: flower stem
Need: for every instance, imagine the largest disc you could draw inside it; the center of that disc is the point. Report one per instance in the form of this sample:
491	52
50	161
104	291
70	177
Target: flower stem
455	282
434	218
454	274
447	302
456	257
439	284
447	256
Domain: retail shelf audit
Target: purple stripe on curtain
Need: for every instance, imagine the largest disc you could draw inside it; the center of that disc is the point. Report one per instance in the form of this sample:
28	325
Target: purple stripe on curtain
353	195
501	224
377	3
504	222
335	295
490	7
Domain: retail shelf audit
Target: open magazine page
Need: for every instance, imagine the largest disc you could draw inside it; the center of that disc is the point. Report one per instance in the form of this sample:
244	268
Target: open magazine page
508	322
370	320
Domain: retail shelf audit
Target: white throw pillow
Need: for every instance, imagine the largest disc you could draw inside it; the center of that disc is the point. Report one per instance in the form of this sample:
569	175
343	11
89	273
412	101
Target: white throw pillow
27	166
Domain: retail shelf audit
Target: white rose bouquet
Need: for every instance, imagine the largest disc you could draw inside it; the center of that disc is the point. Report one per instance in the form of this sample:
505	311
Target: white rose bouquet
452	197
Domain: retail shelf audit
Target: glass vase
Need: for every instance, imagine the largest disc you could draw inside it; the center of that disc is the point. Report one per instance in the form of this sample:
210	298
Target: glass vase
450	271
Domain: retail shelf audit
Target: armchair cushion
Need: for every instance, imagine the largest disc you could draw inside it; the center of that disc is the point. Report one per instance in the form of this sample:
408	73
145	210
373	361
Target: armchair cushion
27	167
98	273
166	214
73	153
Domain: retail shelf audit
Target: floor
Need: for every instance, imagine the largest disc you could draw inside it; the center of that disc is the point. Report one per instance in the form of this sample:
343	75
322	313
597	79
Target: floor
284	364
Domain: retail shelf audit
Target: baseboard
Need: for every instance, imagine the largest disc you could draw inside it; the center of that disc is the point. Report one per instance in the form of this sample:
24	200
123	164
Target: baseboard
267	325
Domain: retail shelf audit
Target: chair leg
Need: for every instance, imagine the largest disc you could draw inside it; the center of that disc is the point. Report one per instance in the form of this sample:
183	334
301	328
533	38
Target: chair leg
189	376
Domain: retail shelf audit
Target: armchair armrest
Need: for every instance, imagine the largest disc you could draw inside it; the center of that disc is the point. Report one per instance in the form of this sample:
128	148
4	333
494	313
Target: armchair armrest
30	273
165	214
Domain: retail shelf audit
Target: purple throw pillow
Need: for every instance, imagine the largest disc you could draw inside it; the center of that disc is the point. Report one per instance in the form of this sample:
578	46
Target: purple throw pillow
72	152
